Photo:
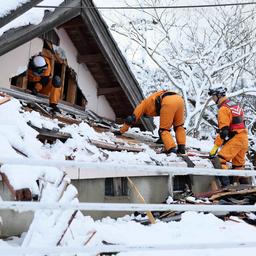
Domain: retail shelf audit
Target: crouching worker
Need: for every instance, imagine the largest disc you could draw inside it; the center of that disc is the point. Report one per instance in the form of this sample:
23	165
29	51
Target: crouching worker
170	107
40	80
232	139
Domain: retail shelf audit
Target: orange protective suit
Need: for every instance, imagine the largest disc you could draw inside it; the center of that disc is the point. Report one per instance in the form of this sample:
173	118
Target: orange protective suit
235	148
48	89
171	114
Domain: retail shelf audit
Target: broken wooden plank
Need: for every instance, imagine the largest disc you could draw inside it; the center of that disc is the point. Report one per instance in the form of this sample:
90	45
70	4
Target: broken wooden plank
23	194
8	184
233	193
5	98
67	119
60	117
37	107
19	152
67	227
114	146
50	135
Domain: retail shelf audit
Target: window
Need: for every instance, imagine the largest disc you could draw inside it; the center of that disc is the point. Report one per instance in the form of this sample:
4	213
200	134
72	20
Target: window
116	187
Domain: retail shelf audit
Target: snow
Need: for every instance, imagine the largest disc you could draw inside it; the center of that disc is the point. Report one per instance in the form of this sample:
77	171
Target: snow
33	16
10	5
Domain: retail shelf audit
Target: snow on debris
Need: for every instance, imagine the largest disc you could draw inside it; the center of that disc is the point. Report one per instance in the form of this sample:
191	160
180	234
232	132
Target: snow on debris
51	228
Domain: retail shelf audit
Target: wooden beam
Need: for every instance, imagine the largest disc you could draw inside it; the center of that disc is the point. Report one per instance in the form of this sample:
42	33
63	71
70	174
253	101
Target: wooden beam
115	146
13	14
104	91
54	19
71	25
90	58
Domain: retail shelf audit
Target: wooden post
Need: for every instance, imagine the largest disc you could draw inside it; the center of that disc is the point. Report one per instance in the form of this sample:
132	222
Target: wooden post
63	76
71	93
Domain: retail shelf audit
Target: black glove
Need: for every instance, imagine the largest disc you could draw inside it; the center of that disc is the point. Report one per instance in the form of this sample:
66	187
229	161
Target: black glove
224	133
130	120
44	80
118	133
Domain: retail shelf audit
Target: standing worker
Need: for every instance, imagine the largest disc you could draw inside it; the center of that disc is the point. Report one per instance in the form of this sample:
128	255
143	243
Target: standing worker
232	138
40	80
170	107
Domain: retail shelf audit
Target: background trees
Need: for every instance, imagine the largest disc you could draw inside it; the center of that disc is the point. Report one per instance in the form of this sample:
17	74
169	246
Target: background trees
189	50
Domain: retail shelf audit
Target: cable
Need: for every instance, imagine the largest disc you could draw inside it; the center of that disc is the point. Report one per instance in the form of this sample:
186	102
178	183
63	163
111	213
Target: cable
149	7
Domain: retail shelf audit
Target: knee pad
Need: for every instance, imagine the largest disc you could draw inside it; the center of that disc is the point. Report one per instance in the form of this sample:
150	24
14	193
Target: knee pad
161	130
176	127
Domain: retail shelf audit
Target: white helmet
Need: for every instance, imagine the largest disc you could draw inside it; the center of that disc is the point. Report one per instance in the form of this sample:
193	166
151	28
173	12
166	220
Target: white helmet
39	62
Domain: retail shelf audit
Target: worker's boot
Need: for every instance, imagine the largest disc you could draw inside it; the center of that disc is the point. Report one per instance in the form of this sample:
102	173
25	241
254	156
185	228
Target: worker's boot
54	108
181	149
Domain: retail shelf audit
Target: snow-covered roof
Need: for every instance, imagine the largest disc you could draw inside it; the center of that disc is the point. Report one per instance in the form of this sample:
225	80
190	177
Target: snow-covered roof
32	16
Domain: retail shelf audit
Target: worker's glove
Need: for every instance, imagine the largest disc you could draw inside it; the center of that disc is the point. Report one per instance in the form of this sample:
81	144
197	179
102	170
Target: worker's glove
117	133
130	120
214	151
44	80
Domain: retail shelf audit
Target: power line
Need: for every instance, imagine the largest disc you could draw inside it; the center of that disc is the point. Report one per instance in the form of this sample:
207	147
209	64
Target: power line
149	7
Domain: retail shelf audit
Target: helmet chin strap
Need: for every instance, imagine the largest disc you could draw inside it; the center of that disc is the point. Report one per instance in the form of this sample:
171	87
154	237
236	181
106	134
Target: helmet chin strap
218	99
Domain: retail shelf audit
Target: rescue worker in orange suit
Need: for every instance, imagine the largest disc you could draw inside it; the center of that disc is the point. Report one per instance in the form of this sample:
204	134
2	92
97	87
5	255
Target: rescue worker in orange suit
170	107
40	80
232	139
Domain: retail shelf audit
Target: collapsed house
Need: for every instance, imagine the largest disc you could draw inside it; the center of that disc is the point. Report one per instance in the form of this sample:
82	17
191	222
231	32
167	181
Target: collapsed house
98	90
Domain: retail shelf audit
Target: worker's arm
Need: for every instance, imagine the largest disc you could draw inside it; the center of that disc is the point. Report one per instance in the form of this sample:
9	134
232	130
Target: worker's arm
132	119
224	121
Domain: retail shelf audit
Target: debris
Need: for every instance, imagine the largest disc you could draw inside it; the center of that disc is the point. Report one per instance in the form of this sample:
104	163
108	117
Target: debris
50	135
5	98
23	194
114	146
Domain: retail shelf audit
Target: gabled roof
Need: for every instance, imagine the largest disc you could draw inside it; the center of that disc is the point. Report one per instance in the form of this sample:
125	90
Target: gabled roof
102	56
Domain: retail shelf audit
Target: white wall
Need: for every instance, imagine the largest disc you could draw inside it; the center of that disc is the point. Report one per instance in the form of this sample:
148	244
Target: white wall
85	80
16	61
